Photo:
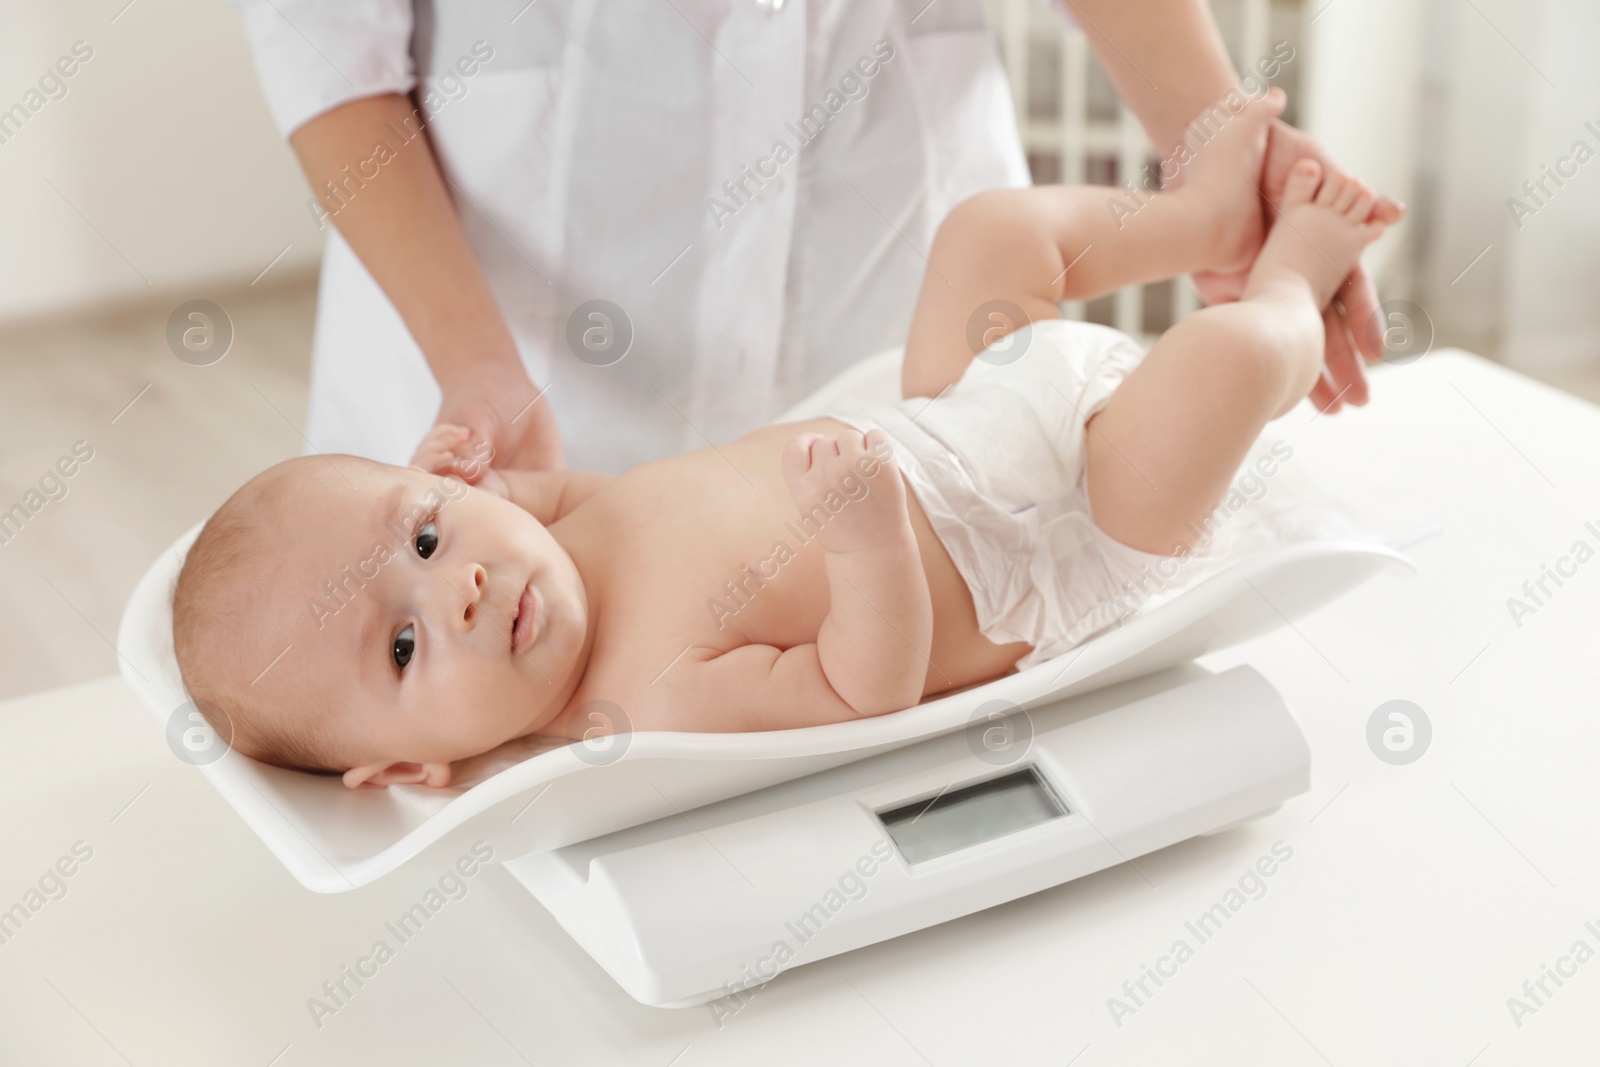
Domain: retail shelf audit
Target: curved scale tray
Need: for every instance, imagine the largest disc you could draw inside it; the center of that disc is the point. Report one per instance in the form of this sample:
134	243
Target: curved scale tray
333	839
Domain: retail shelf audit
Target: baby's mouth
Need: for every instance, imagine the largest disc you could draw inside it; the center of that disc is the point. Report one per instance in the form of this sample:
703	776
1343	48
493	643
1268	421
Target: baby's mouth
526	618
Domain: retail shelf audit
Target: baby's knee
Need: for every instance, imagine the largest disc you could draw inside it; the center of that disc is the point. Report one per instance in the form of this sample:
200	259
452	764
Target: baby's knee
993	229
980	213
1251	353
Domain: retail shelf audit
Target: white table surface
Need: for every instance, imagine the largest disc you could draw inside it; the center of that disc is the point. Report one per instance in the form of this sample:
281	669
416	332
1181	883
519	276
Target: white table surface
1418	898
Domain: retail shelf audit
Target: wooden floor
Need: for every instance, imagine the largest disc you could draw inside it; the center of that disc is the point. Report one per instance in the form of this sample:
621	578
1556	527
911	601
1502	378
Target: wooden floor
192	437
160	465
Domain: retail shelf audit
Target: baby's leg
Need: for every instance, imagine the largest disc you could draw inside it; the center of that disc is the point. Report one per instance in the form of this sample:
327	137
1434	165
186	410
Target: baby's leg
1162	451
1034	247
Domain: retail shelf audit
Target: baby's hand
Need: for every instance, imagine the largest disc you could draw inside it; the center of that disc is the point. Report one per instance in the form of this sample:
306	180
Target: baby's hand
449	449
848	488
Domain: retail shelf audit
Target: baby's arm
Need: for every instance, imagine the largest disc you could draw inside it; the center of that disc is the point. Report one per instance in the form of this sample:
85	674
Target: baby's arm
871	652
548	495
873	646
753	687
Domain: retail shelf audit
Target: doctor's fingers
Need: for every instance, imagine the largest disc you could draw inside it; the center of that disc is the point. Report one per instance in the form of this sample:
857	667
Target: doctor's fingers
531	440
1324	394
1344	377
1358	304
1356	309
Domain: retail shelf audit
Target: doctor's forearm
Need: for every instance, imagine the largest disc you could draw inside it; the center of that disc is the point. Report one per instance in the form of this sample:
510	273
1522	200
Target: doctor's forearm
375	173
1165	57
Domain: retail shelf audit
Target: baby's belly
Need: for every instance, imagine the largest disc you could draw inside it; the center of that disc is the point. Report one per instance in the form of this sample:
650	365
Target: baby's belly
960	656
706	550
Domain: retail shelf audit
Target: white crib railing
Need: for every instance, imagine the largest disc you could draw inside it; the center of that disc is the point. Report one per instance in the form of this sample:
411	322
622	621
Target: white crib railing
1074	136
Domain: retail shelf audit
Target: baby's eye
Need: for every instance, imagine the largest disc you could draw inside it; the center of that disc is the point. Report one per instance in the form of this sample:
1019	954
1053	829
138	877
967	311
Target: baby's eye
427	540
405	643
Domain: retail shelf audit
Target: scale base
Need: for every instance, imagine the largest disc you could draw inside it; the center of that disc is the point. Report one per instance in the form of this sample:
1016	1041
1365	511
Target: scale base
722	898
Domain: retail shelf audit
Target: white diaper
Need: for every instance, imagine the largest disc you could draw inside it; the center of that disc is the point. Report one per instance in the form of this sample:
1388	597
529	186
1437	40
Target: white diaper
998	464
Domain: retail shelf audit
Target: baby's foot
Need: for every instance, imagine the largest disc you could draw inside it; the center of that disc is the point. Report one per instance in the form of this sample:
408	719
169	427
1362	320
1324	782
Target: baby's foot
1220	174
1323	224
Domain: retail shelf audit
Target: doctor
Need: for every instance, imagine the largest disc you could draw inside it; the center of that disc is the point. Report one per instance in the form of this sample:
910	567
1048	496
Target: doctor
602	231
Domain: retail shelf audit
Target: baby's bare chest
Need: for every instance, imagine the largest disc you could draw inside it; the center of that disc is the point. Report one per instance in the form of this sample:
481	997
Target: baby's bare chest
702	552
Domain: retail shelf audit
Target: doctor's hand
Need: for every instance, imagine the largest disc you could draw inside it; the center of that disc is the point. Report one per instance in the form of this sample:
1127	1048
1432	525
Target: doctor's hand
508	423
1344	378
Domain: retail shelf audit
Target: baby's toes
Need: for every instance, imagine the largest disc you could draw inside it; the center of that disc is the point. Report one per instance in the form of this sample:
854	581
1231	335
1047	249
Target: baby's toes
1302	183
1360	207
1332	188
1347	196
1389	210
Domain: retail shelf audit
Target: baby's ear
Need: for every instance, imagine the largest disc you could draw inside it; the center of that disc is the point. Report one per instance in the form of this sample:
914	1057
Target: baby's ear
381	775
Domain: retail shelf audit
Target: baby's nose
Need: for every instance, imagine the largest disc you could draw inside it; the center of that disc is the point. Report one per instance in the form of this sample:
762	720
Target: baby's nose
470	585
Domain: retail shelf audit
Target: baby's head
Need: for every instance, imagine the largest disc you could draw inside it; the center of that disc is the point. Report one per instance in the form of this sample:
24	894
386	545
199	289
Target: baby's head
353	617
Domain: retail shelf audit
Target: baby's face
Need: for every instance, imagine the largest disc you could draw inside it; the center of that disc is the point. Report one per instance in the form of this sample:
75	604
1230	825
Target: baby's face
433	622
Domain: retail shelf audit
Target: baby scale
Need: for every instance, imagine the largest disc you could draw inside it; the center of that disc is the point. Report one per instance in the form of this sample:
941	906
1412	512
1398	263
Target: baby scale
692	866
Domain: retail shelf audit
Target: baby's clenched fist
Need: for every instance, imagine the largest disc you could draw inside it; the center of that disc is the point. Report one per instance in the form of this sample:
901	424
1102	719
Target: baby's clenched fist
848	488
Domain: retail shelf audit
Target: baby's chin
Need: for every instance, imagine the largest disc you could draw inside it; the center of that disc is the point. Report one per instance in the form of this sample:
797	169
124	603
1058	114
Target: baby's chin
504	730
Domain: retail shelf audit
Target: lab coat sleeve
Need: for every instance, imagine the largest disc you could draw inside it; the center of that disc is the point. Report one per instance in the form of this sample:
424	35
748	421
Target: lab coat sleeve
313	55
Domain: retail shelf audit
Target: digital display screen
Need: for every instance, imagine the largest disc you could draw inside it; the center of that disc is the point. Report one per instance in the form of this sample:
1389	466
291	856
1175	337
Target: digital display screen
957	818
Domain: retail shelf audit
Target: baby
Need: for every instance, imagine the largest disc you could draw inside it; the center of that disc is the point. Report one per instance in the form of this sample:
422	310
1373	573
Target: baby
345	616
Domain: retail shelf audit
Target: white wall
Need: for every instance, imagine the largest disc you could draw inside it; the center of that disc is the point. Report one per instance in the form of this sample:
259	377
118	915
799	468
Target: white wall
1483	107
1359	93
162	143
1552	314
1517	81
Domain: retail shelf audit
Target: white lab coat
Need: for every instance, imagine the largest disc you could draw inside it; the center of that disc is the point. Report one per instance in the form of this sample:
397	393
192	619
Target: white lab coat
588	157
